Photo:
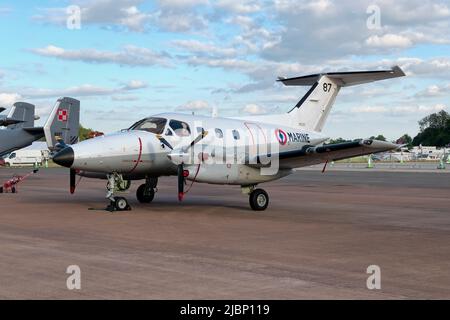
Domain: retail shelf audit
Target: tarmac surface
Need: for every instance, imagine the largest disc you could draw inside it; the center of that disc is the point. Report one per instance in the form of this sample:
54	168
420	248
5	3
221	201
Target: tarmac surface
316	239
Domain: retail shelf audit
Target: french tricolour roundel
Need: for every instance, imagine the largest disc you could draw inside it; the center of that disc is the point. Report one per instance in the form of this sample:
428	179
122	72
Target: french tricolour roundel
281	136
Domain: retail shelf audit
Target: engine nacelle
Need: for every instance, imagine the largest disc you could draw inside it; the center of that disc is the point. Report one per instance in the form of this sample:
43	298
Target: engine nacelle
238	174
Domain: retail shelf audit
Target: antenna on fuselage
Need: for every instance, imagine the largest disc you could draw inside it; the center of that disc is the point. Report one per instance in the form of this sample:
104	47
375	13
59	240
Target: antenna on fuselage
215	112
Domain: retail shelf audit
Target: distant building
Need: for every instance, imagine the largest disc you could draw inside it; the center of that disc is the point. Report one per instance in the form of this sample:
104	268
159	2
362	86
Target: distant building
428	152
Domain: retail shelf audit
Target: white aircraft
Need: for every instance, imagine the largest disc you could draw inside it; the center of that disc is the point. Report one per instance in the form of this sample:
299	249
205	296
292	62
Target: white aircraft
243	151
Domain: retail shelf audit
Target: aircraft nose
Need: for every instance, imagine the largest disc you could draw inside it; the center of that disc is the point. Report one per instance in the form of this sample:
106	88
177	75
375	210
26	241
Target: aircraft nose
64	157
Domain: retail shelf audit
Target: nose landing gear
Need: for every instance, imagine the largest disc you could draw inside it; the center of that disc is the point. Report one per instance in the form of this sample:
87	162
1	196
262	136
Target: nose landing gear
116	203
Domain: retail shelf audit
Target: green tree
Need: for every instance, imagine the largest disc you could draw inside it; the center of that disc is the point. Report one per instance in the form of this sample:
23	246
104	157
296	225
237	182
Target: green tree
378	137
434	130
405	139
83	133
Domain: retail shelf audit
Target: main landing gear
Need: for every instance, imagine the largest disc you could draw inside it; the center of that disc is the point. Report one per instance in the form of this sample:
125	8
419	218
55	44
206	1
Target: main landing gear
146	192
258	198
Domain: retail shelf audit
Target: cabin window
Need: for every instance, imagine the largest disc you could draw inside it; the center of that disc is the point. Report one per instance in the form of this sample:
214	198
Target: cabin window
169	132
180	128
152	124
219	133
236	135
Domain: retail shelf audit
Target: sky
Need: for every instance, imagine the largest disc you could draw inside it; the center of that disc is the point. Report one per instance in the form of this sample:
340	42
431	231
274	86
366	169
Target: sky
128	59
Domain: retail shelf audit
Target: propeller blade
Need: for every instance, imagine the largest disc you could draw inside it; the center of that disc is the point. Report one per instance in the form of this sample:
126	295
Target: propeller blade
196	140
180	182
72	180
164	141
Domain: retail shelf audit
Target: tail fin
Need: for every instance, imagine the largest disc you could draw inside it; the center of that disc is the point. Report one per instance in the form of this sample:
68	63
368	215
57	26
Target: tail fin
21	115
63	123
313	109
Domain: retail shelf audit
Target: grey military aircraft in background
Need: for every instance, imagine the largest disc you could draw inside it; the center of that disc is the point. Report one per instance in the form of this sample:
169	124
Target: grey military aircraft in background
19	132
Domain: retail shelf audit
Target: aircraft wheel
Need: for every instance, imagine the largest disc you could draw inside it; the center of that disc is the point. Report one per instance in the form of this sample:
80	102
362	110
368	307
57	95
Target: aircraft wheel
259	200
13	190
1	189
145	195
121	204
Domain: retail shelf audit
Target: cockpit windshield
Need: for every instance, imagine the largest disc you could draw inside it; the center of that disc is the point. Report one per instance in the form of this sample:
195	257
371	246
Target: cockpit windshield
152	124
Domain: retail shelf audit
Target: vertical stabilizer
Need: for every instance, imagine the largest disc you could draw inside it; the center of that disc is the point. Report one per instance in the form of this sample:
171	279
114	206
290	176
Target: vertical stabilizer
63	122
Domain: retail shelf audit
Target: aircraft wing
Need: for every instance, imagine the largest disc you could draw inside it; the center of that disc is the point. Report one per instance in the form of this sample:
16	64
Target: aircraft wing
310	155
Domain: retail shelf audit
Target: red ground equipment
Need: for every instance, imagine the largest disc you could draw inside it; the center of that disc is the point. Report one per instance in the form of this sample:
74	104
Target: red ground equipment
11	184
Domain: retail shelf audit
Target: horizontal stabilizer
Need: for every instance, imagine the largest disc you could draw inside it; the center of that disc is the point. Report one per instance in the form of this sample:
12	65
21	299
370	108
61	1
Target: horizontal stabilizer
4	122
345	79
35	130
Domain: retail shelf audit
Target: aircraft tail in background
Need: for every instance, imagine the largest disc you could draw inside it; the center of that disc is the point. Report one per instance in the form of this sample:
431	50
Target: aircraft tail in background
63	123
20	116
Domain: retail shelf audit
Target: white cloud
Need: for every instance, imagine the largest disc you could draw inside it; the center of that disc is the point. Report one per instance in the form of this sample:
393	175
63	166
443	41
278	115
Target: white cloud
242	6
197	47
130	55
135	84
181	3
8	99
194	105
320	30
389	41
118	13
369	109
253	109
400	110
180	21
85	90
5	10
124	98
434	91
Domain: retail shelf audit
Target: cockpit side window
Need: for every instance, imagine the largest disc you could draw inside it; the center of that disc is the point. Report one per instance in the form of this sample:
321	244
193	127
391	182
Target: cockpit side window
153	125
219	133
180	128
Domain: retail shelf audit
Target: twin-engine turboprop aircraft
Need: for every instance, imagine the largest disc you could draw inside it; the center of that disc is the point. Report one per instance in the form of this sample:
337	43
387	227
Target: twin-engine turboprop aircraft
243	151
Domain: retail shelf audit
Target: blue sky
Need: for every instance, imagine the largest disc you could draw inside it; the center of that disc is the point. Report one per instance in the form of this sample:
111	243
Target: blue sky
132	58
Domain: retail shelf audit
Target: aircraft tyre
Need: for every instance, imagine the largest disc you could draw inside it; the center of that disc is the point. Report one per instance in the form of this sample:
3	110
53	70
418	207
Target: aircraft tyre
259	200
121	204
145	195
